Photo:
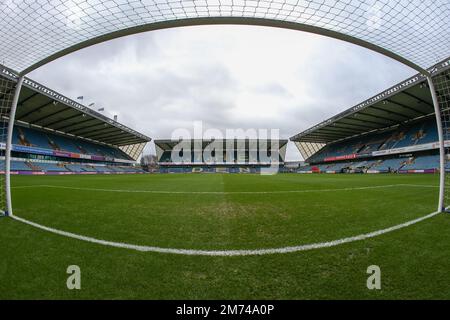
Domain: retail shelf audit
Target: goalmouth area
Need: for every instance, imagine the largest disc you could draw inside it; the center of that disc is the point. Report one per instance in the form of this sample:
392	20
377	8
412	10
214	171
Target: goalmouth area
225	212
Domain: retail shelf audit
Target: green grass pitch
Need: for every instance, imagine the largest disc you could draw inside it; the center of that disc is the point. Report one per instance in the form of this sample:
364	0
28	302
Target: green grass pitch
224	212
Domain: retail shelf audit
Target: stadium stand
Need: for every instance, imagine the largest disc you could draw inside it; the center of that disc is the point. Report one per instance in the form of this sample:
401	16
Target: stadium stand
416	134
56	135
28	137
422	163
21	166
388	165
230	156
394	131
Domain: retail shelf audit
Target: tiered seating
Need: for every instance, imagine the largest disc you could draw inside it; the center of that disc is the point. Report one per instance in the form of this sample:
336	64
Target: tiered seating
74	167
17	165
133	169
52	167
113	169
429	162
419	133
361	164
207	158
33	166
389	164
20	166
339	166
30	138
35	138
87	168
423	163
102	169
91	168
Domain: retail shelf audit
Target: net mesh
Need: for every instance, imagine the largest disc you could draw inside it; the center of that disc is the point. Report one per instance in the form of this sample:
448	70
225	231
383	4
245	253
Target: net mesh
33	30
417	30
7	88
442	87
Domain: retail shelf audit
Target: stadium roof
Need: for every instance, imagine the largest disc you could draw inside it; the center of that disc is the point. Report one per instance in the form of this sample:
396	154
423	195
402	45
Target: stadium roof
400	104
42	107
167	144
414	32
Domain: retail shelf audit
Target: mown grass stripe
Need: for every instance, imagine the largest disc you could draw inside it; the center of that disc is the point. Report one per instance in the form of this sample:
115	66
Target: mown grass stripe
226	192
228	253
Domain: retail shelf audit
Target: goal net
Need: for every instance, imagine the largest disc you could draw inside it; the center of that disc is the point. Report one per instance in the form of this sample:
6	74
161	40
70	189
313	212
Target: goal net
7	88
442	86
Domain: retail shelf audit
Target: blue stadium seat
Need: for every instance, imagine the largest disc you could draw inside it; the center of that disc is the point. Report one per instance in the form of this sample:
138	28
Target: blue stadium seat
423	163
419	133
35	138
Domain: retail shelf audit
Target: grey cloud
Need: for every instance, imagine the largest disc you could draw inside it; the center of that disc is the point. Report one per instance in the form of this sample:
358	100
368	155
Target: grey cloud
156	98
273	88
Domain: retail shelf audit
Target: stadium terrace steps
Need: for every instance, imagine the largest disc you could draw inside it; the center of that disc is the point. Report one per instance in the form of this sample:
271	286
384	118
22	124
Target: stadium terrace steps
381	152
27	137
420	133
32	166
422	163
21	166
426	162
39	152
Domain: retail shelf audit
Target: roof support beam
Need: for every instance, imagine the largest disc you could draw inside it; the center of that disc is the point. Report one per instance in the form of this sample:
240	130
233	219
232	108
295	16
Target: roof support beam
366	121
65	127
346	125
51	115
407	107
307	146
336	125
106	136
29	98
83	130
61	120
338	128
123	142
34	110
418	99
387	111
103	133
124	139
329	135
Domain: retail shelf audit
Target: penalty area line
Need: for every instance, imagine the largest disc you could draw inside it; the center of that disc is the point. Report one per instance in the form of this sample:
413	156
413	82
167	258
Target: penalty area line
227	253
227	192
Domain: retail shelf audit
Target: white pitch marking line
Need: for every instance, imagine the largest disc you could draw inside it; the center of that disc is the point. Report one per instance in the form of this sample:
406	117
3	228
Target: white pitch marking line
225	192
228	253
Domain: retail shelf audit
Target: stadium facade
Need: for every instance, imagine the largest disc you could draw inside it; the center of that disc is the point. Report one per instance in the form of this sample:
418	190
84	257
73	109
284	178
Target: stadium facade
394	131
220	155
56	135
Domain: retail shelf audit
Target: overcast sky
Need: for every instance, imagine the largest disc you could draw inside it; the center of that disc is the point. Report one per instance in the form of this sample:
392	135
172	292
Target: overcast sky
229	77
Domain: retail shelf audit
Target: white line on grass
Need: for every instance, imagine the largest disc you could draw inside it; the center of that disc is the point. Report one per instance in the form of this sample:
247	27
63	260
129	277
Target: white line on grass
226	192
228	253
